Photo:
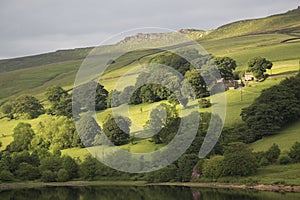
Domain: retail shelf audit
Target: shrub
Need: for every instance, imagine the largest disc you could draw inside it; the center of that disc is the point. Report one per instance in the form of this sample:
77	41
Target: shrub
295	152
48	176
263	162
239	160
6	176
27	172
204	103
62	175
284	160
273	153
213	167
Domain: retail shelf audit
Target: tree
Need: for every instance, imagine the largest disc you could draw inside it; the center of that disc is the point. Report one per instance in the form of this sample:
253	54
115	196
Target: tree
164	121
26	171
197	83
117	129
51	163
86	93
60	100
275	107
22	135
70	166
22	157
63	138
62	175
284	160
7	108
186	164
88	168
113	99
88	129
272	153
56	133
165	174
172	60
204	103
258	66
213	167
294	153
55	94
27	106
239	160
48	176
226	66
6	176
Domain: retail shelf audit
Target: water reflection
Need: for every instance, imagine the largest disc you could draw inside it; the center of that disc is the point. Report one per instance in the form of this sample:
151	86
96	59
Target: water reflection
140	193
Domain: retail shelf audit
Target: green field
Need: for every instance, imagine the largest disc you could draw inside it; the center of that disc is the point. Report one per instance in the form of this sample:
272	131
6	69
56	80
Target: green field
285	139
261	37
269	175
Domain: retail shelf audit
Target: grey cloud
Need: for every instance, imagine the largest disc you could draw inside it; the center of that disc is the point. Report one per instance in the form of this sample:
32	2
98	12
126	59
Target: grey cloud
30	27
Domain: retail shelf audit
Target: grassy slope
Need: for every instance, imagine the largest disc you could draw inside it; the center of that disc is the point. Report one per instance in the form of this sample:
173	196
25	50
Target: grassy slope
285	22
240	48
285	139
36	80
43	59
272	174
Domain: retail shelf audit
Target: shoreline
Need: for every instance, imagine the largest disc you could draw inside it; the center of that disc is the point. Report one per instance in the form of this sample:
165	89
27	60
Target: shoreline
259	187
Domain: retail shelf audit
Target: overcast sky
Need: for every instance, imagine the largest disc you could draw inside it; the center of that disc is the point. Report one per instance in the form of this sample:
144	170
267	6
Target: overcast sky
37	26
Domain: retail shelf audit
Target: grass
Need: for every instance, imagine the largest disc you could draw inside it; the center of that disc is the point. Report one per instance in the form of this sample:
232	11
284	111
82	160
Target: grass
285	139
142	146
277	23
80	153
268	175
278	52
36	80
7	126
284	174
283	67
36	73
235	103
43	59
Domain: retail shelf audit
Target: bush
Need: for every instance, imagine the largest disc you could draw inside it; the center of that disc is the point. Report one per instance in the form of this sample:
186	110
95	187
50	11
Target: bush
6	176
239	160
204	103
273	153
27	172
295	152
62	175
263	162
284	160
48	176
213	167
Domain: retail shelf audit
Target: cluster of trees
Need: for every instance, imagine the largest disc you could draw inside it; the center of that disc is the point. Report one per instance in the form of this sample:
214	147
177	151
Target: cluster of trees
60	101
60	133
89	99
115	128
194	74
239	160
24	106
166	126
258	66
52	135
274	108
50	167
37	165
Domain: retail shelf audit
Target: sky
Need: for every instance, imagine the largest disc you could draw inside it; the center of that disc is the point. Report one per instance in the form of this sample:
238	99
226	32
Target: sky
31	27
